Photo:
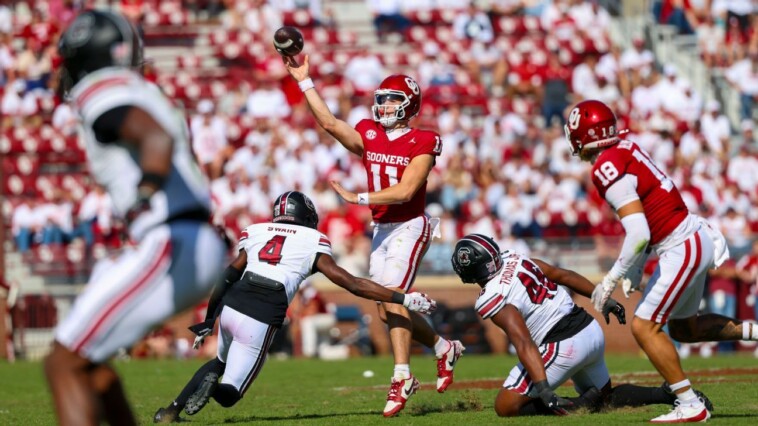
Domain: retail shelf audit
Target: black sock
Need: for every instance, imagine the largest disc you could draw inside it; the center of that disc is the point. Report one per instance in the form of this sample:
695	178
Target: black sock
212	366
634	396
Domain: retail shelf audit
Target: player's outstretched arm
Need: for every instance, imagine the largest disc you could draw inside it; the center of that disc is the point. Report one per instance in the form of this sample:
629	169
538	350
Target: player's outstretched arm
566	277
370	290
413	178
343	132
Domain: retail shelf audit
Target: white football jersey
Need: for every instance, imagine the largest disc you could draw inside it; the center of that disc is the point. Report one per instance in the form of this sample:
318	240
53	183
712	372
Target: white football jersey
116	165
283	252
522	284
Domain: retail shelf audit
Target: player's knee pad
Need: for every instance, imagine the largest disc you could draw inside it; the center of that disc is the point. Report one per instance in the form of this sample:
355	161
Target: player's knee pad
226	395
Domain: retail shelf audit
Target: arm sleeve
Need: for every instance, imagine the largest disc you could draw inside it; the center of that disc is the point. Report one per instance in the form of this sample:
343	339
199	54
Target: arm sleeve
231	275
634	251
622	192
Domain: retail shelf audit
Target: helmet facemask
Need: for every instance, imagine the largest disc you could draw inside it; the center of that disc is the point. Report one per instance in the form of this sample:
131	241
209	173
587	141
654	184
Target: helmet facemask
379	109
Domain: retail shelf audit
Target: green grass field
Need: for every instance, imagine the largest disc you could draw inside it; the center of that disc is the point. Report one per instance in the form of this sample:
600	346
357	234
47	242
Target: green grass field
313	392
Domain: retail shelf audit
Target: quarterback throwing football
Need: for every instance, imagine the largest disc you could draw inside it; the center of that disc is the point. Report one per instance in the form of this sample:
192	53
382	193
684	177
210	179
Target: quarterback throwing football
398	160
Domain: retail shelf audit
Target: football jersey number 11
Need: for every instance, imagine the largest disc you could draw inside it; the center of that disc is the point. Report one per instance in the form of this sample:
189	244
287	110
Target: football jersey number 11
376	175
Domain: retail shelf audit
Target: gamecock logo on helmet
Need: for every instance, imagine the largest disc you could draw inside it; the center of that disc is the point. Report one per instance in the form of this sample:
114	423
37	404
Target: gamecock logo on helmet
573	119
464	256
412	85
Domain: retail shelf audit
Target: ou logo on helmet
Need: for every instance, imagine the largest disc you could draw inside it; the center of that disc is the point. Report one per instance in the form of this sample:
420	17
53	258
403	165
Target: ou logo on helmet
412	85
573	119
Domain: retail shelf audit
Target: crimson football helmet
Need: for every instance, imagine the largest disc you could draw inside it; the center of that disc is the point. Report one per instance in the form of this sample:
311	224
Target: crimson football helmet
397	87
591	124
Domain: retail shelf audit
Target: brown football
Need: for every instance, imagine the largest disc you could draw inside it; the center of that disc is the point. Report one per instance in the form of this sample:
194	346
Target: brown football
288	41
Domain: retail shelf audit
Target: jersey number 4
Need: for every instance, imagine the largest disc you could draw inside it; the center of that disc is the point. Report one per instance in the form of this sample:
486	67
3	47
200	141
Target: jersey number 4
271	253
538	286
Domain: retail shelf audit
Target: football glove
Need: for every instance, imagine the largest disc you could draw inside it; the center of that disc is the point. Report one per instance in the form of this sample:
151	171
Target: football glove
603	292
553	402
201	330
419	302
632	280
615	308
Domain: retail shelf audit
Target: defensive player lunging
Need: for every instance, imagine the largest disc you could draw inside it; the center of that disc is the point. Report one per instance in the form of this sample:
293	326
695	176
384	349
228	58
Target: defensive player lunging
276	257
398	160
137	148
655	218
555	340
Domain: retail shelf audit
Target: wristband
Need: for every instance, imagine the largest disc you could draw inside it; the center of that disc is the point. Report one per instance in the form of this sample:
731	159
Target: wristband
363	199
398	298
541	386
305	84
153	179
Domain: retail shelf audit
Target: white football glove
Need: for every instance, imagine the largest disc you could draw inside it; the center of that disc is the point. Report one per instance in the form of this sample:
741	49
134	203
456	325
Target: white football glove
198	342
419	302
631	281
603	292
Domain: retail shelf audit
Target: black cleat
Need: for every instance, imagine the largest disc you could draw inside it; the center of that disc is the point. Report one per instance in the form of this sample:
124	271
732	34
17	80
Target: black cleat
202	395
167	415
593	399
707	402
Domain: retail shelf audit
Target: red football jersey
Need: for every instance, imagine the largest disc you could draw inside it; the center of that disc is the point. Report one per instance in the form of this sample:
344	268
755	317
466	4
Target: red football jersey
664	208
386	160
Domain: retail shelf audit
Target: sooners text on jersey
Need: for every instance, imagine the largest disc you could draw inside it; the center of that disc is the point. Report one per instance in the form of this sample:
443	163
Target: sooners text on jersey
386	160
522	284
664	207
283	252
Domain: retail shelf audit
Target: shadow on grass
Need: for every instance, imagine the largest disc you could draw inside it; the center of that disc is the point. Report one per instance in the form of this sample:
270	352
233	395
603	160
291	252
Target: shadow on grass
248	419
468	401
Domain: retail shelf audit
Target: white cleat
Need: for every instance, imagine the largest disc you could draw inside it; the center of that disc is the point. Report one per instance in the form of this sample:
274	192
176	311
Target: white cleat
400	391
446	364
685	414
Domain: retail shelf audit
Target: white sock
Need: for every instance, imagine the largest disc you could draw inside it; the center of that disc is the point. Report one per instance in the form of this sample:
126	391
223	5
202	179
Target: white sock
402	371
749	331
687	397
679	385
441	347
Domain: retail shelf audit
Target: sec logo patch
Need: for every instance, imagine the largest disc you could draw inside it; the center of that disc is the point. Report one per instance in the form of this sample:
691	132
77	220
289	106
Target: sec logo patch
370	134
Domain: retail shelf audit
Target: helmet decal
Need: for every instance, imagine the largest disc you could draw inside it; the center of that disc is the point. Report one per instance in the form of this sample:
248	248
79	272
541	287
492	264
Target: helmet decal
80	31
464	256
573	119
412	85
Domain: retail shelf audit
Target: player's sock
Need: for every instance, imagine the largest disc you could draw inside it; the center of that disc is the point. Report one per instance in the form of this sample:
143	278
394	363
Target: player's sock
635	396
749	331
226	395
212	366
442	346
402	371
688	397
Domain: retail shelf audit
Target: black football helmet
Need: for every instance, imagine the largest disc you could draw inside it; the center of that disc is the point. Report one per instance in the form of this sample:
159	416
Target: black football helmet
476	258
95	40
295	207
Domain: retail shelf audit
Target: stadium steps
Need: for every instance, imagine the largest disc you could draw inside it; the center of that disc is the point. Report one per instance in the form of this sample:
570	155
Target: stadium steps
354	15
16	270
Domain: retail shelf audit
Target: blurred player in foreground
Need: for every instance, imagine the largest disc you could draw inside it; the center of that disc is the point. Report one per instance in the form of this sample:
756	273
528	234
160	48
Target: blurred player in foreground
555	339
137	148
251	301
655	217
398	160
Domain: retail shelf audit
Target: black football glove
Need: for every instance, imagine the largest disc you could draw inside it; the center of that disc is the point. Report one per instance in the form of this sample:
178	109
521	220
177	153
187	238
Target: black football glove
615	308
553	402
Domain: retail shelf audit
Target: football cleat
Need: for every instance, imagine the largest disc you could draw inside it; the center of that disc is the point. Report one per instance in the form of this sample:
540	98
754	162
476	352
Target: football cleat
400	391
446	364
202	395
685	414
167	415
701	395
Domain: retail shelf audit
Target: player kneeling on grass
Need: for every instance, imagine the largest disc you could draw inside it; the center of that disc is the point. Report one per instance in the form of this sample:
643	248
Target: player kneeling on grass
274	259
555	339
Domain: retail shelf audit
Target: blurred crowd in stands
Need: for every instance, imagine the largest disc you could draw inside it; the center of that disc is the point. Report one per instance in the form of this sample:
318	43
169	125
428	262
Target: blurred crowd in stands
497	77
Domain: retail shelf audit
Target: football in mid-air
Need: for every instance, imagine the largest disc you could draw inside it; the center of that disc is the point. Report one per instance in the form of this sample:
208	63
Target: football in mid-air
288	41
